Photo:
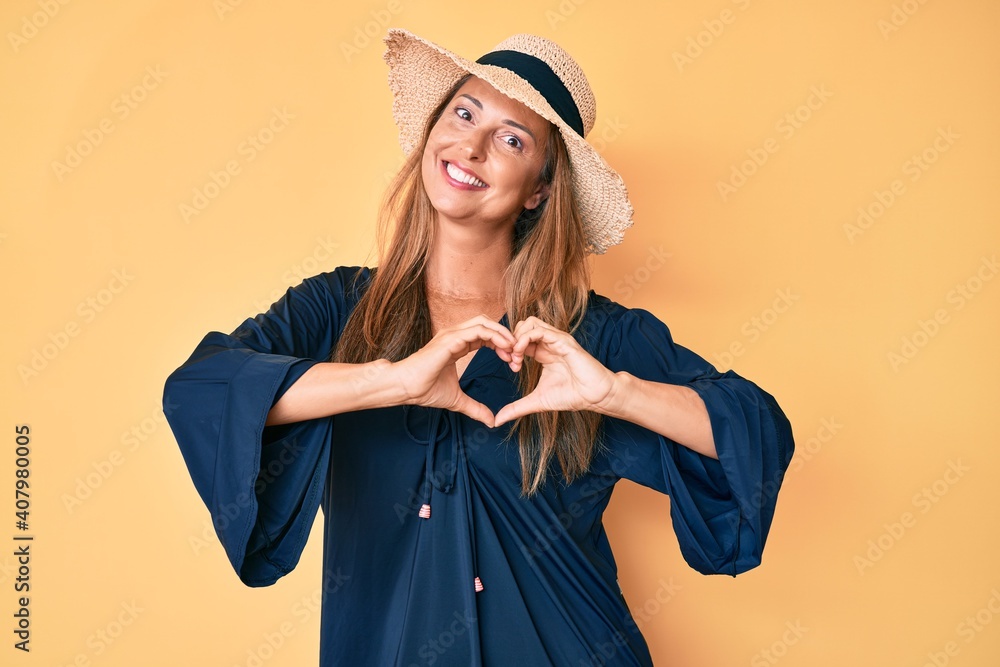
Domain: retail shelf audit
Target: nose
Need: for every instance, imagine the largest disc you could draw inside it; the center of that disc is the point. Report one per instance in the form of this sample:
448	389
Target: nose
474	144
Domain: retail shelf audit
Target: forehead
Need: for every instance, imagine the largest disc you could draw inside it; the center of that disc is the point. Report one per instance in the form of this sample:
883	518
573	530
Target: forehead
494	101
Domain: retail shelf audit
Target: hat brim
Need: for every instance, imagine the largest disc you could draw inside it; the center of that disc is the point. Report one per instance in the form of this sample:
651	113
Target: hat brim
421	73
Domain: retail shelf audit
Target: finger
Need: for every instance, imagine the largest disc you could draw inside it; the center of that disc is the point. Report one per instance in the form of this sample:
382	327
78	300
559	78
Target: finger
550	339
473	337
531	322
502	339
473	408
526	346
517	359
519	408
521	327
487	322
530	336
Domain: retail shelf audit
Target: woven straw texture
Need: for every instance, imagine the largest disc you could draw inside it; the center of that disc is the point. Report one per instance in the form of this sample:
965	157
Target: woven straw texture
421	73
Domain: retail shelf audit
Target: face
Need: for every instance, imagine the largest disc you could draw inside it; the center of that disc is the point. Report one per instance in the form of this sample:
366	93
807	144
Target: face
483	157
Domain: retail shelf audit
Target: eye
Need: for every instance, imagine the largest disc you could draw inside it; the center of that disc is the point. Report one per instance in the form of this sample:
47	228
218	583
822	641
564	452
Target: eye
513	141
463	113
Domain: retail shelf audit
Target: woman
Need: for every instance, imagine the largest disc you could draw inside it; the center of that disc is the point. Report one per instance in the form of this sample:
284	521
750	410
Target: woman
462	412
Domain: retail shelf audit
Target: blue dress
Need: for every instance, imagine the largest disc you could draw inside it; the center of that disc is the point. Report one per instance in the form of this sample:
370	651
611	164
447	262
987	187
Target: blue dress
423	505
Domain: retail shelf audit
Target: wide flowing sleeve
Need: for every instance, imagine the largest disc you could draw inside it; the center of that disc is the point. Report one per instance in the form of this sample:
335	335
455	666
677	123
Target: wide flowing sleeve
722	509
261	484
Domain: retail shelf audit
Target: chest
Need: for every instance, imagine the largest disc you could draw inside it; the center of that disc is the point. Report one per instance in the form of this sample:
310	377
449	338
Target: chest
381	456
450	313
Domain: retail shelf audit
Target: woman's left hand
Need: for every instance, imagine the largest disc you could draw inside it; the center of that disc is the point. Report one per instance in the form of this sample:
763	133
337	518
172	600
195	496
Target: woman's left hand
571	378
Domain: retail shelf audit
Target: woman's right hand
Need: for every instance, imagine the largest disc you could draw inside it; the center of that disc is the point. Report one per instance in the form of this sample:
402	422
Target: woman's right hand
429	376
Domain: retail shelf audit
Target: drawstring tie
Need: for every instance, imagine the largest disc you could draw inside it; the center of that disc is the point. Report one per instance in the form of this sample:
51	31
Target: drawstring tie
441	467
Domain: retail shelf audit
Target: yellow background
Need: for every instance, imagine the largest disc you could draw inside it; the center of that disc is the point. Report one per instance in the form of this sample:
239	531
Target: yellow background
136	547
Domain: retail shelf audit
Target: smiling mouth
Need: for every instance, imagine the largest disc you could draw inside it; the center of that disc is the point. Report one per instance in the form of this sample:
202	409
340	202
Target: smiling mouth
457	174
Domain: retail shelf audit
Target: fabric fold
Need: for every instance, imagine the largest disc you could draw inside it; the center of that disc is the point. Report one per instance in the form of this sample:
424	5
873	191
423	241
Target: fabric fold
399	589
722	509
261	484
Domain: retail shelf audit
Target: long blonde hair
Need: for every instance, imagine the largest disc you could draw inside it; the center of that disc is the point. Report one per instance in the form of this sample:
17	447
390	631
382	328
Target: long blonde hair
548	277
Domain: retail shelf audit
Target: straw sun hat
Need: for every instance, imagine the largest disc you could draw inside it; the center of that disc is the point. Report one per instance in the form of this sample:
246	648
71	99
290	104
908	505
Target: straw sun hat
541	75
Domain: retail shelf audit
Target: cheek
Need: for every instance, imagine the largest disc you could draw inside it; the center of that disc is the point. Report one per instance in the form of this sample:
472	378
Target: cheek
440	133
424	158
530	178
435	141
427	170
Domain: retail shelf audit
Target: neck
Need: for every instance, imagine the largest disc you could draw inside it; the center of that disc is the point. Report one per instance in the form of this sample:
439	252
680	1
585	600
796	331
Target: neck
462	265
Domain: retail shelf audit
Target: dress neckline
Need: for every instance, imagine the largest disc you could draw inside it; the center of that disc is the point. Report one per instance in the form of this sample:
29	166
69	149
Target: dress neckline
479	360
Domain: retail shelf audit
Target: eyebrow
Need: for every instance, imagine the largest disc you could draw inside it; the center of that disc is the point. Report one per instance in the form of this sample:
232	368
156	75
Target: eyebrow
507	121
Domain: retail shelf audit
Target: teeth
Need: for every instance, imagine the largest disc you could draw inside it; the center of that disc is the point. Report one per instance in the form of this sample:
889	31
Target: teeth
463	177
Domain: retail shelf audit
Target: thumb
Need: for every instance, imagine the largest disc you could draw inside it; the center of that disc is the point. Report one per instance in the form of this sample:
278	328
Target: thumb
473	408
512	411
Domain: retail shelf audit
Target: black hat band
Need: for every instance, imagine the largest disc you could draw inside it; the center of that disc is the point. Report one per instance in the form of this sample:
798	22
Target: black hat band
538	73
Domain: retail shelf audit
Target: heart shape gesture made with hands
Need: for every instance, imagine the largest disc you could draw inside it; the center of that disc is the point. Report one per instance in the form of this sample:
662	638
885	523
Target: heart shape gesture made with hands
571	378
